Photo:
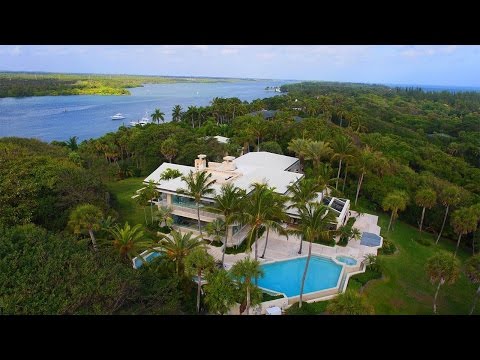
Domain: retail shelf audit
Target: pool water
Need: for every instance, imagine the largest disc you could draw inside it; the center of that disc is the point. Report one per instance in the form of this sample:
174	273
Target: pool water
286	276
347	260
148	258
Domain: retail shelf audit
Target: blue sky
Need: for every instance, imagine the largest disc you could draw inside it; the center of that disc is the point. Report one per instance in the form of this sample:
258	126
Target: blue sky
396	64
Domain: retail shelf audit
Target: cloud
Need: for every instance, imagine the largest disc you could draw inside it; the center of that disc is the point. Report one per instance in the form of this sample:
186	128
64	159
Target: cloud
229	51
422	50
266	55
202	48
12	50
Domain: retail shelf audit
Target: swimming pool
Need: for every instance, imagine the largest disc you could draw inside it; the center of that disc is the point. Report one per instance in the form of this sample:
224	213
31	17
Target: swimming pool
149	257
346	260
286	276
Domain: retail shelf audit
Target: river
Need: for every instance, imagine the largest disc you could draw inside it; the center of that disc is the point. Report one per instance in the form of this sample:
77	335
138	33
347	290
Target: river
88	116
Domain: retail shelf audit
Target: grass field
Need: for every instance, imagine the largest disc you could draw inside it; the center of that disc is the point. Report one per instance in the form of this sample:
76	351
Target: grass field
405	287
127	208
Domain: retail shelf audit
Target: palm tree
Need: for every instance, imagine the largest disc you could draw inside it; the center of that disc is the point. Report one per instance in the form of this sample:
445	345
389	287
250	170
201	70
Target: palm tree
442	268
244	270
177	246
228	203
464	221
219	292
216	229
142	198
449	196
256	212
129	241
198	185
315	220
157	116
299	147
275	217
395	201
147	194
342	148
364	162
72	143
426	198
472	270
86	217
196	263
164	216
316	151
349	303
169	149
177	113
192	110
301	193
257	127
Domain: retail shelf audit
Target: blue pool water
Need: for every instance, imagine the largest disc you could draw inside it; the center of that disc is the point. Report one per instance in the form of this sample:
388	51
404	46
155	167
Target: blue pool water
347	260
286	276
148	258
370	239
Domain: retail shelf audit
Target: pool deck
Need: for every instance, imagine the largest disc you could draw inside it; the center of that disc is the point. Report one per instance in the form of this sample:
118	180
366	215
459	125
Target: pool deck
281	248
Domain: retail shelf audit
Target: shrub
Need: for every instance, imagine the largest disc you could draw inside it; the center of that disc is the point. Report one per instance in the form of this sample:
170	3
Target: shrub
422	241
388	247
307	308
366	276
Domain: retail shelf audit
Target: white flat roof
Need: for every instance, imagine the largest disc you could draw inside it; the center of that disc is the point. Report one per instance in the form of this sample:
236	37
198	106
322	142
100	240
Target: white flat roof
249	167
222	139
263	159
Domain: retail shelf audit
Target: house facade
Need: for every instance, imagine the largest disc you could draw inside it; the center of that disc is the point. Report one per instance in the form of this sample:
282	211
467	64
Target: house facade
278	171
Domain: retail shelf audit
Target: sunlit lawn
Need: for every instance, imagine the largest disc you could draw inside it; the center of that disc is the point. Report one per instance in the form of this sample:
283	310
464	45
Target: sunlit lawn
405	287
127	208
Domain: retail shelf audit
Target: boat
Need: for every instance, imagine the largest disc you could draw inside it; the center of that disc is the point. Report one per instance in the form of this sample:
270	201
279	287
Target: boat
118	116
142	122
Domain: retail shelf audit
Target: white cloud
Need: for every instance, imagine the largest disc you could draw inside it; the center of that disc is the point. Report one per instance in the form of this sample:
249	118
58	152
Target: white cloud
13	50
202	48
266	55
229	51
423	50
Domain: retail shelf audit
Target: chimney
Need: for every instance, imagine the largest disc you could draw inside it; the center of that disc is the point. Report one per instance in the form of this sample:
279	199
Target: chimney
201	163
228	164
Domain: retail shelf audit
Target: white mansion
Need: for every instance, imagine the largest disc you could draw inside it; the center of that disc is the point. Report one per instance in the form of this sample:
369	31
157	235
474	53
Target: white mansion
277	171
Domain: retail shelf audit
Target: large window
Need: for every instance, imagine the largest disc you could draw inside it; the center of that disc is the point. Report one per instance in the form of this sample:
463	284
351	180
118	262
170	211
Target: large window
187	202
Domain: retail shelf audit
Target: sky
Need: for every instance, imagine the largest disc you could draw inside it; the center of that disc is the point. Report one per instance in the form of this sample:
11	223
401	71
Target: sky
453	65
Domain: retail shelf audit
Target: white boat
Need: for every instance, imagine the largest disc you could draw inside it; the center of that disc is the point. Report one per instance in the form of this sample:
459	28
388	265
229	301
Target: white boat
142	122
118	116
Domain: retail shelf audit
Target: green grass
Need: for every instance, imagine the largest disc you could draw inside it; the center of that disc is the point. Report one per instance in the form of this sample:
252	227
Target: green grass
315	308
127	208
405	287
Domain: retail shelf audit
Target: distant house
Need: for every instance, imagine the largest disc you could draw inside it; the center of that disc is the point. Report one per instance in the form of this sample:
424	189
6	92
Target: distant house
267	114
222	139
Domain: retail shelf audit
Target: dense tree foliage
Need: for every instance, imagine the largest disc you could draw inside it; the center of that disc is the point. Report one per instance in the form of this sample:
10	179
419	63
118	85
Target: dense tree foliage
40	184
14	84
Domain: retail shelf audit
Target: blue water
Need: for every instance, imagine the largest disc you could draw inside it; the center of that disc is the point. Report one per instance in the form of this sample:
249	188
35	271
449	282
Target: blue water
148	258
286	276
88	116
347	260
370	239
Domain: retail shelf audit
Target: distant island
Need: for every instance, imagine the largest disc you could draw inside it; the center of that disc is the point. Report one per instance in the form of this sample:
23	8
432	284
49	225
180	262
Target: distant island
19	84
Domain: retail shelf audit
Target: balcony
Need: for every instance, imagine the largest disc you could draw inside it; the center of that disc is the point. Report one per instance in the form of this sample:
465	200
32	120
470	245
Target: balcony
189	210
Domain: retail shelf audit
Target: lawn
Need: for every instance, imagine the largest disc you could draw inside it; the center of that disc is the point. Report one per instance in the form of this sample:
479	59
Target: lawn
405	288
127	208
